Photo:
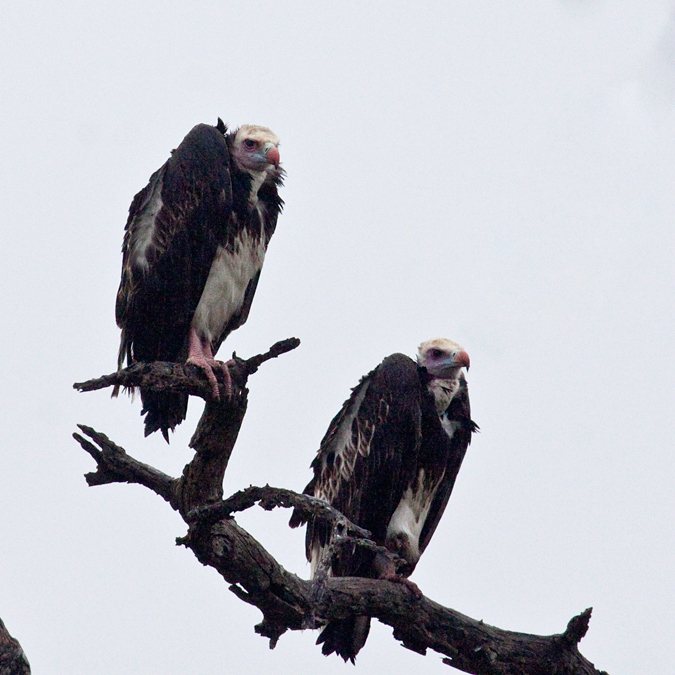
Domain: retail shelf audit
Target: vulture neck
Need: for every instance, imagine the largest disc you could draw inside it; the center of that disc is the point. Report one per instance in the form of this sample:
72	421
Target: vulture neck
443	391
257	180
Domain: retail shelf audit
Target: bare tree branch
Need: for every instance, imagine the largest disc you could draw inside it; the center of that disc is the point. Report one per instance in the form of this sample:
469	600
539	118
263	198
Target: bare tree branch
213	440
165	376
290	603
286	601
115	466
270	498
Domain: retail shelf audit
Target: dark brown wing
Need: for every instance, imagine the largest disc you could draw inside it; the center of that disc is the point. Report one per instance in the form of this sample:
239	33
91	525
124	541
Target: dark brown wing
437	442
327	478
369	453
174	227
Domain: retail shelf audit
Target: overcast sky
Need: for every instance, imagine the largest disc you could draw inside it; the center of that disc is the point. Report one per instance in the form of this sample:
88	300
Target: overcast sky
500	174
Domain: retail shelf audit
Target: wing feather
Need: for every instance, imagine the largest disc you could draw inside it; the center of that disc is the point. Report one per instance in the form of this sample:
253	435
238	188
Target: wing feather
437	442
369	454
174	227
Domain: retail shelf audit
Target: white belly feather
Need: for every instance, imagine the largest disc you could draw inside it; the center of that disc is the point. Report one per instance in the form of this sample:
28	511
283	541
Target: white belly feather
411	513
413	509
230	274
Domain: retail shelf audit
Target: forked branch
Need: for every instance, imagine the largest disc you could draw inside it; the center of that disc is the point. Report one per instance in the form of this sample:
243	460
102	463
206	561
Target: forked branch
286	601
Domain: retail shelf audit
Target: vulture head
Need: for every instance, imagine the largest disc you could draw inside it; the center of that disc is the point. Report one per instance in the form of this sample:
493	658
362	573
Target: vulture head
256	150
442	358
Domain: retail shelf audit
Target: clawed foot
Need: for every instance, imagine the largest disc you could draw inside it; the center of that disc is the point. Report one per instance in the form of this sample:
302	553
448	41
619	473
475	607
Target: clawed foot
200	355
209	366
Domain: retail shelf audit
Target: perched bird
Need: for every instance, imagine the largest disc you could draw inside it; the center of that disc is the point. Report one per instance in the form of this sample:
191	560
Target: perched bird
388	462
193	249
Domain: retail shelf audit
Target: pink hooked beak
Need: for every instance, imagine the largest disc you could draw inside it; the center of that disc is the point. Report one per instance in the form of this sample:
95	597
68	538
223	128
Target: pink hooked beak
273	156
462	359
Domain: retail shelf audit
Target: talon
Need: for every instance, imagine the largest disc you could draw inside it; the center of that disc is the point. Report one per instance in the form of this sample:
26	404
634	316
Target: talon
208	371
200	355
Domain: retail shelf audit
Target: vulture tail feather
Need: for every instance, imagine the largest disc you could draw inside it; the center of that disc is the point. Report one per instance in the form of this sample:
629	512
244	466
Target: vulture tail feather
163	411
345	637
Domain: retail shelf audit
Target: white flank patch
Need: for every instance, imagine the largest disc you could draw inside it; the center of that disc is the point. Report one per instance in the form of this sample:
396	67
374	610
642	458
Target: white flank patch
143	227
411	513
223	294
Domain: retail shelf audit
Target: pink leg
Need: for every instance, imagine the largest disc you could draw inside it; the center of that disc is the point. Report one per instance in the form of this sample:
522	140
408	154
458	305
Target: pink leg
201	356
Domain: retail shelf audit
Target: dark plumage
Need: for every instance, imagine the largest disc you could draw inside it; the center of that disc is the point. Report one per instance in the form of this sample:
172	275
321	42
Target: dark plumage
388	462
193	249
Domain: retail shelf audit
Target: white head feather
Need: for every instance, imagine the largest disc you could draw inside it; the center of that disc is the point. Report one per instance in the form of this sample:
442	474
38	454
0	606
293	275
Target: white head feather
256	150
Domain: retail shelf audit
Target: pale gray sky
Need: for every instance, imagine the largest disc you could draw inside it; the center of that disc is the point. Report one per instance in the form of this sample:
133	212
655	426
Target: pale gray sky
500	174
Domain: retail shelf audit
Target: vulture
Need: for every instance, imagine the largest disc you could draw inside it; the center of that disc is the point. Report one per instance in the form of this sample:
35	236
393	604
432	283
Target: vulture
193	249
388	462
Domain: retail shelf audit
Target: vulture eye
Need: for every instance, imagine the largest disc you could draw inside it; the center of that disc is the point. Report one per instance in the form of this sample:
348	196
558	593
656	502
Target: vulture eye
250	144
436	353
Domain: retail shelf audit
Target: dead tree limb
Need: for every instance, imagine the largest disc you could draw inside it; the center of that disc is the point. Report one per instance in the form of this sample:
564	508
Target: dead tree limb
165	376
213	440
270	498
286	601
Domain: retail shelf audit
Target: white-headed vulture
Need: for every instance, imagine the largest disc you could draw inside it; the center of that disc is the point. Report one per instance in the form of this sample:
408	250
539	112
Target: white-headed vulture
388	462
193	249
